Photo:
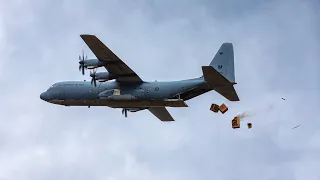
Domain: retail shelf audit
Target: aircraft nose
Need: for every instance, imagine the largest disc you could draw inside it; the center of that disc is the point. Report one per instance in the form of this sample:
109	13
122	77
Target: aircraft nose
43	96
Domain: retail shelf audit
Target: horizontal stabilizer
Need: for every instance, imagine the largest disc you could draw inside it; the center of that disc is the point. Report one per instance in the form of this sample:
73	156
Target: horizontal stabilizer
214	78
161	113
219	83
228	92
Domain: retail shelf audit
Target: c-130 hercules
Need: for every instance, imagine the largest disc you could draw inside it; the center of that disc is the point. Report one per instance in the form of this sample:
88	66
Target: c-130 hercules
131	93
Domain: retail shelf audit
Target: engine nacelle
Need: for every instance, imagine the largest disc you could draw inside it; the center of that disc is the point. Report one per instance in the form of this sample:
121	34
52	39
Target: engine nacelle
93	63
103	76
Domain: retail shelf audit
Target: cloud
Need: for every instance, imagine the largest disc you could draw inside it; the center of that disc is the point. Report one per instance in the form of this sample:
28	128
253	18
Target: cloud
276	55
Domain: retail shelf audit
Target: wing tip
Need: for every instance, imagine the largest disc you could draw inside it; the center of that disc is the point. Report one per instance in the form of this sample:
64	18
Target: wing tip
167	120
84	35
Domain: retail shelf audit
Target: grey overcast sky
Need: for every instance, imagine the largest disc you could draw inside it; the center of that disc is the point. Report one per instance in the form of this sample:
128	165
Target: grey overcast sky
276	55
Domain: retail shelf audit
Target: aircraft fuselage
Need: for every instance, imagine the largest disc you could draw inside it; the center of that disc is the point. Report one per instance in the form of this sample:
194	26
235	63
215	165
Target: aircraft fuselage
113	94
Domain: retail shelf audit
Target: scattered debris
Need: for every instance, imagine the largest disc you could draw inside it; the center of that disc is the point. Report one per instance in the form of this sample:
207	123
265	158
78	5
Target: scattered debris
296	127
216	108
244	115
283	98
235	122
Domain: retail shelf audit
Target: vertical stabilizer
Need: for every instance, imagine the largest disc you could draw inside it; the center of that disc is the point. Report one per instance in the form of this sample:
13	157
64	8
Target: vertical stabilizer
220	72
223	61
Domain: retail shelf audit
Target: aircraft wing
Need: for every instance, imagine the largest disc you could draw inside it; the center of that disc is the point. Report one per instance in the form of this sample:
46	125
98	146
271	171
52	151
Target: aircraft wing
161	113
115	65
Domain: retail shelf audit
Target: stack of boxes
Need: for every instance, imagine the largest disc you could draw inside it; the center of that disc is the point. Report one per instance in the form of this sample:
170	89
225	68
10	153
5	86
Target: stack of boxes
216	108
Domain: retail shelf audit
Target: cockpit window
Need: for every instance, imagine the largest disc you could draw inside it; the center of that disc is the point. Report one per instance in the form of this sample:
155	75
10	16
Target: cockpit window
66	85
54	85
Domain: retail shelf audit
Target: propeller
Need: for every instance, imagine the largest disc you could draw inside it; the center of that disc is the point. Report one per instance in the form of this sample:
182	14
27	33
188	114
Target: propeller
81	62
93	79
125	112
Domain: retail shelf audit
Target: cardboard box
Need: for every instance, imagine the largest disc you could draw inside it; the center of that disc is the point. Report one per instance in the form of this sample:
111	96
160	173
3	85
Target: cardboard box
235	123
249	125
223	108
214	108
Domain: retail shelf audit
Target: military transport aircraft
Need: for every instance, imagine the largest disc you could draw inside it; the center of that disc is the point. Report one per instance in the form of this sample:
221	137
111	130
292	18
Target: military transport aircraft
129	92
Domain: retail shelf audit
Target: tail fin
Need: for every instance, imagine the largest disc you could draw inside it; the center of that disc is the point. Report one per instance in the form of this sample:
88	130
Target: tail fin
223	61
220	73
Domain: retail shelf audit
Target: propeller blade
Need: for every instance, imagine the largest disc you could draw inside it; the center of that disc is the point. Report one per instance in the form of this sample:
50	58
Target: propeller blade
82	54
93	79
81	62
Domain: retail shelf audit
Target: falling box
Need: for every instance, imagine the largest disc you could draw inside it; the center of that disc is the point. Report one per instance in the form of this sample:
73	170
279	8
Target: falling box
223	108
235	123
215	108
